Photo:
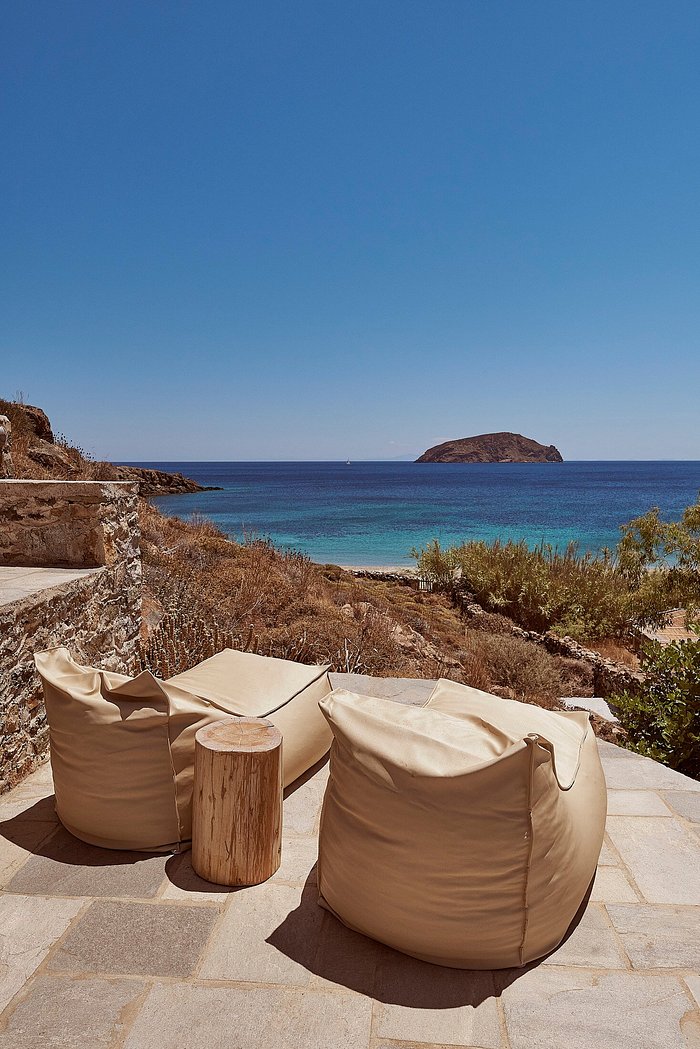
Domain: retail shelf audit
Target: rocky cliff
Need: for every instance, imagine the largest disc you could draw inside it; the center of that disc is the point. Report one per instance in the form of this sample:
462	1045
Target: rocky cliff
492	448
37	454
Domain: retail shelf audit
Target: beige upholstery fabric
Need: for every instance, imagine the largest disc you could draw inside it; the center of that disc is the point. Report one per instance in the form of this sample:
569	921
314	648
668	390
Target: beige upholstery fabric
465	832
122	749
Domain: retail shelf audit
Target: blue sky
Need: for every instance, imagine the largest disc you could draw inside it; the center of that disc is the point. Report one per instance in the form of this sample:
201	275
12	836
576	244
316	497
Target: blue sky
322	229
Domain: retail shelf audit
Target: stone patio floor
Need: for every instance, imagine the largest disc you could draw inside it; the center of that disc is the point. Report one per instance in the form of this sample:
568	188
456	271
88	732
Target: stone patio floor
102	949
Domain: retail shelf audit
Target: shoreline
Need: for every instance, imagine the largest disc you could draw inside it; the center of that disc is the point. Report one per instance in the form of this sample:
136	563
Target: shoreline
381	569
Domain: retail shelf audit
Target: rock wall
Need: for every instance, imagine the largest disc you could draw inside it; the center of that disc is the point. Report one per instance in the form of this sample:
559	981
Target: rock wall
383	576
97	616
68	524
5	447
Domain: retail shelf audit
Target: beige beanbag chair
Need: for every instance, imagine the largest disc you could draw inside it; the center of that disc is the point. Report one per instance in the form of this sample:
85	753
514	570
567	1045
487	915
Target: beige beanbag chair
122	749
465	832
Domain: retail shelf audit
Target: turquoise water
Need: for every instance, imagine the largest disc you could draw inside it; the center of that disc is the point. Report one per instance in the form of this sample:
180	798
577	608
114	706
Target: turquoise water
373	513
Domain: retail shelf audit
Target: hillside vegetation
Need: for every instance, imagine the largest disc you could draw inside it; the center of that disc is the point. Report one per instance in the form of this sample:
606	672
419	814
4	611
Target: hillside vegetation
277	603
203	592
589	597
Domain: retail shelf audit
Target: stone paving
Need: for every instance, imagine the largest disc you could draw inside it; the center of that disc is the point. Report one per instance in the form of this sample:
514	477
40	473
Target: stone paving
18	583
109	950
674	629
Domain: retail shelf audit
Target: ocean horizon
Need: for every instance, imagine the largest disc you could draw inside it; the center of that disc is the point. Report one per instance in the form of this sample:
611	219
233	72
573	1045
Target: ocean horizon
373	513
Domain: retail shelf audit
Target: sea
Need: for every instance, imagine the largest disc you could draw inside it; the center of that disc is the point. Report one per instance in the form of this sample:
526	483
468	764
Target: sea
375	513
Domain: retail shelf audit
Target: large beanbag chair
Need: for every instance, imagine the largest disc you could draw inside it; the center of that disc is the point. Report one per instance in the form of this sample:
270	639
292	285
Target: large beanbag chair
122	749
465	832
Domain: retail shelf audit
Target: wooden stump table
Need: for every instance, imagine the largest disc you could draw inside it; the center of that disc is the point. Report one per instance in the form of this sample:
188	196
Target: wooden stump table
237	801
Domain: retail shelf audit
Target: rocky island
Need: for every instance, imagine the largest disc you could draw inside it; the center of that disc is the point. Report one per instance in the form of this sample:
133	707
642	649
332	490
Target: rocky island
492	448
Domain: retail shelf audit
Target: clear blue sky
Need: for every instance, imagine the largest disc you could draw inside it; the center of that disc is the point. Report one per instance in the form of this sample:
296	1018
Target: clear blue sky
323	229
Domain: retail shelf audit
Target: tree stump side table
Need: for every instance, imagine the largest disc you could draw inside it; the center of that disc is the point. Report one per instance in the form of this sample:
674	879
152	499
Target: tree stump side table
237	801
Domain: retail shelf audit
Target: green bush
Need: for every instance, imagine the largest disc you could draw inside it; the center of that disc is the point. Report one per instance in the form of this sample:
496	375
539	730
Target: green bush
584	596
663	720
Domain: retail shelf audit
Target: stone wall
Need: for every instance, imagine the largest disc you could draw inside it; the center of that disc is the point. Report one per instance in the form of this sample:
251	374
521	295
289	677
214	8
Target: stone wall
68	524
384	576
5	447
97	616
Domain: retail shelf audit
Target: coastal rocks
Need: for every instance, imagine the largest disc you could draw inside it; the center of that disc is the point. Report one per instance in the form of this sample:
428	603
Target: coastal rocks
5	447
58	461
406	578
154	482
37	422
492	448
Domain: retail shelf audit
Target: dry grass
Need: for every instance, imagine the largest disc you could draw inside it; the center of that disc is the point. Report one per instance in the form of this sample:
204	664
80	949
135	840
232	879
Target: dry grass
612	649
267	601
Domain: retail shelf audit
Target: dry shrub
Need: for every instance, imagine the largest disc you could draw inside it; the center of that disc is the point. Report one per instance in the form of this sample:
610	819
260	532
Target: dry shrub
477	671
265	600
576	677
491	623
617	652
515	667
179	642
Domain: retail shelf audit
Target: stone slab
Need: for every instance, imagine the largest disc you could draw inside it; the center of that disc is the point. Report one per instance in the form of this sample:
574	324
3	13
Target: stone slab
550	1009
430	1003
180	1016
26	840
69	867
595	704
71	1013
136	939
299	857
183	883
658	937
28	801
267	935
29	926
607	857
301	809
33	580
693	983
13	573
345	959
663	858
411	691
612	886
625	770
637	803
684	803
591	944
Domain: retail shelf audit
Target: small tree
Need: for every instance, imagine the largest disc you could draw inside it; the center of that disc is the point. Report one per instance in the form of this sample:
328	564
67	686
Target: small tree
663	720
661	559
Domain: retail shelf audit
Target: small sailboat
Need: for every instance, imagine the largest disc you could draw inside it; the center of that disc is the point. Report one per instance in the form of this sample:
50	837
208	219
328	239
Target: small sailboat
348	463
